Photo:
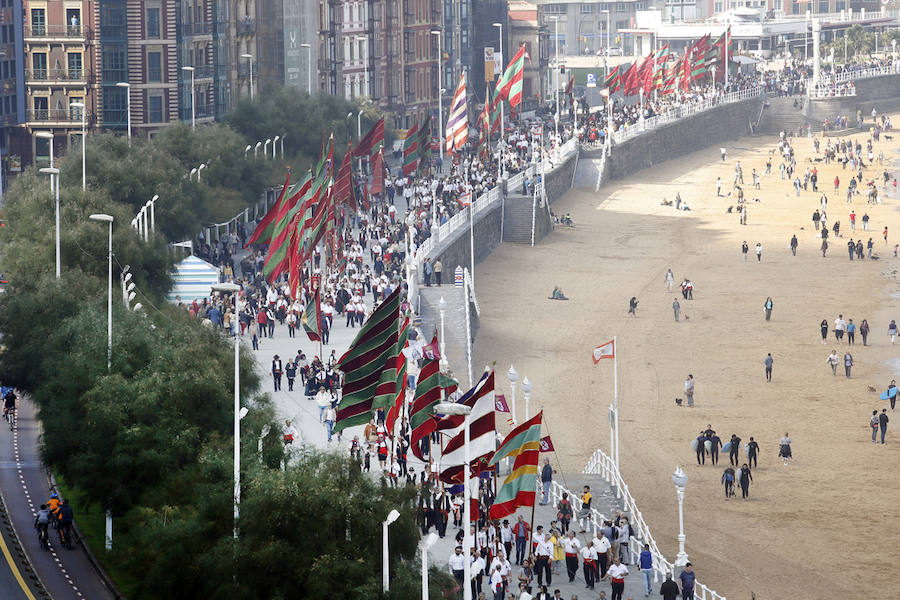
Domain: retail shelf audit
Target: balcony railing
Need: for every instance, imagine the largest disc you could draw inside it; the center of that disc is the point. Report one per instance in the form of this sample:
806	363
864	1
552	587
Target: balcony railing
189	29
243	71
55	115
57	31
246	27
71	75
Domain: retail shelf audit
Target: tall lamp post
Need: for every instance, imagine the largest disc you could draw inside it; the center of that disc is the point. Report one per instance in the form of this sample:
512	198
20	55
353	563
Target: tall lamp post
526	390
513	378
233	288
440	59
606	49
249	58
80	106
308	68
556	75
193	105
499	26
427	543
362	38
127	87
103	218
274	144
442	305
453	408
385	563
53	172
680	480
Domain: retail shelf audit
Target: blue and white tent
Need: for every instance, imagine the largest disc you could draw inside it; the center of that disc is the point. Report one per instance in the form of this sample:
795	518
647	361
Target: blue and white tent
193	280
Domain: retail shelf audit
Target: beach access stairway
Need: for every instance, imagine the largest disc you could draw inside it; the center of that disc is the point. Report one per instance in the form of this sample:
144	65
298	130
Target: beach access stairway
783	115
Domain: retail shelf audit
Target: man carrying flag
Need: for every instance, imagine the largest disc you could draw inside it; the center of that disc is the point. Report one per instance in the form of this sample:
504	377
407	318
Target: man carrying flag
519	487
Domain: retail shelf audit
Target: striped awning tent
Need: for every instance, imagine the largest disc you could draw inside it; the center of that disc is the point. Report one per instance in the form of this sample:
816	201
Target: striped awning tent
193	280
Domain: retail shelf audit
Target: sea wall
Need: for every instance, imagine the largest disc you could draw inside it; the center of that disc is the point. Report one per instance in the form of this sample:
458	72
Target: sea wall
881	93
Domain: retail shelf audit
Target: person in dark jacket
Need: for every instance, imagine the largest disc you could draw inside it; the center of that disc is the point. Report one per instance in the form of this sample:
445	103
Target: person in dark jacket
669	589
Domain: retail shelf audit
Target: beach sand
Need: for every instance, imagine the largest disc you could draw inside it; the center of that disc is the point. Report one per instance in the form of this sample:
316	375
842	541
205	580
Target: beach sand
818	527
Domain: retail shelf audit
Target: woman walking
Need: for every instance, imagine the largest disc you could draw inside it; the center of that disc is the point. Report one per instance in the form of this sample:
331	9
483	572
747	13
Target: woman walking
864	330
873	424
784	448
848	363
768	308
824	326
833	361
892	331
745	479
632	306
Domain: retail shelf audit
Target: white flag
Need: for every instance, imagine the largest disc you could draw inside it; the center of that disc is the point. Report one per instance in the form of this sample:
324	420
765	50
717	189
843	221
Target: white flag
607	350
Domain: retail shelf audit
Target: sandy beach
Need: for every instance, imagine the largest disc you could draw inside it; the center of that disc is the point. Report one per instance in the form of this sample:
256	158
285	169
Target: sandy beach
812	529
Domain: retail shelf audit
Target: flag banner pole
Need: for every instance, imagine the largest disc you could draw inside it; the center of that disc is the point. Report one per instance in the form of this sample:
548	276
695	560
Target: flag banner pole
616	393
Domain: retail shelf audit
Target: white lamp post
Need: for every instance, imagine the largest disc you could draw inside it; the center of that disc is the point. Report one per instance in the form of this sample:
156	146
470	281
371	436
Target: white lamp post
274	146
282	145
107	219
526	390
193	105
555	20
385	571
55	191
127	87
152	205
192	173
680	480
513	378
454	408
232	288
606	50
266	147
499	26
308	69
247	149
256	149
200	168
80	105
362	38
440	59
427	543
442	305
249	58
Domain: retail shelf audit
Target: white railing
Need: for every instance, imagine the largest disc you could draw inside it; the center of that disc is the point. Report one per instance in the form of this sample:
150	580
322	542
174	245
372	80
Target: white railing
853	75
601	464
602	168
829	91
684	110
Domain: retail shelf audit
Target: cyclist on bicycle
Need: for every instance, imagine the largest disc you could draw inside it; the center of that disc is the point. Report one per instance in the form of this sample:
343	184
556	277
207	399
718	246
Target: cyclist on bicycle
40	523
9	402
53	506
66	516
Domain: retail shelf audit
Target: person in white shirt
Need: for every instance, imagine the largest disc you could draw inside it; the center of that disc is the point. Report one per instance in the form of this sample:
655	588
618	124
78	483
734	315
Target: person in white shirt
543	555
497	583
616	574
523	593
477	571
506	536
589	555
457	564
572	547
602	546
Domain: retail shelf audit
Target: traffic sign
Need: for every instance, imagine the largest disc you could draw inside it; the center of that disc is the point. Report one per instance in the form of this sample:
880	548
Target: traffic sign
591	80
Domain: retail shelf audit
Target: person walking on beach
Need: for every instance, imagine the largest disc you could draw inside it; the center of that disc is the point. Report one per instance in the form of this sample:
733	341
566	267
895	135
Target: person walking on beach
733	457
883	423
689	390
864	330
728	480
816	217
851	332
767	307
670	280
701	448
873	425
752	452
824	247
745	249
839	326
794	244
833	360
769	362
892	331
632	306
784	448
758	252
848	363
677	308
715	442
688	578
745	479
824	327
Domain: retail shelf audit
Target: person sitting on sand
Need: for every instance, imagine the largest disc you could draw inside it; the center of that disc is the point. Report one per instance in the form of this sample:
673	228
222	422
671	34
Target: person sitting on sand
558	294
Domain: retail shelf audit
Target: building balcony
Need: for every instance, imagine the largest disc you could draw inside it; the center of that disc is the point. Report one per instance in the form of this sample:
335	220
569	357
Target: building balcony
243	71
72	33
246	26
57	76
57	116
192	29
201	72
205	111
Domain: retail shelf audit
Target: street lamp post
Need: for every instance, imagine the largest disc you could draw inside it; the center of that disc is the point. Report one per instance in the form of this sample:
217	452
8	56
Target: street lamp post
385	571
256	149
308	69
266	147
284	135
249	58
193	105
274	149
247	149
127	87
102	218
81	106
362	38
427	543
440	59
442	305
55	192
200	168
454	408
680	480
513	378
526	390
233	288
499	26
556	75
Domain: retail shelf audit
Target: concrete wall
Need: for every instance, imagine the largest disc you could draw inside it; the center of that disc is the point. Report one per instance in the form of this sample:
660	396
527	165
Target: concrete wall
881	93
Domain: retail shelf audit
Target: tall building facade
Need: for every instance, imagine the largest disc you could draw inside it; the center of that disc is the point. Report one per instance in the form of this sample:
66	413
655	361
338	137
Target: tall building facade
12	87
288	34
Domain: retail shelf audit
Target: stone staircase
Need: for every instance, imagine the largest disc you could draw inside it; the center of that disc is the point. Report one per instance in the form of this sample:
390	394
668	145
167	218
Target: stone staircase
782	115
517	220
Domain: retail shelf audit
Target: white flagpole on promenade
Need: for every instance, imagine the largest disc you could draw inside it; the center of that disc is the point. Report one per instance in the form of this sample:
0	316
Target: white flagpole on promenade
616	394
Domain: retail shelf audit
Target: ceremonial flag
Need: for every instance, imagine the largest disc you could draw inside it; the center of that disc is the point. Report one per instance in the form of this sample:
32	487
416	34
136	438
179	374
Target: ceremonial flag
293	252
571	85
372	140
496	112
509	86
277	254
520	485
457	133
378	173
484	386
311	317
607	350
427	396
263	232
612	80
411	150
482	441
343	183
370	360
396	409
500	403
547	444
424	142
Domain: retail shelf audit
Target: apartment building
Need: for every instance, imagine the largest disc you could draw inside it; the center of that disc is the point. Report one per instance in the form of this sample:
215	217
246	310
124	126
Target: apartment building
12	87
203	59
287	35
582	27
241	17
358	25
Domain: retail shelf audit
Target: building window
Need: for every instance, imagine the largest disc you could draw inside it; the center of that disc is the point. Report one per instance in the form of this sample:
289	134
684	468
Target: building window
587	9
41	112
112	22
114	64
38	21
73	62
153	23
155	109
39	65
555	9
75	112
73	21
115	105
463	9
154	67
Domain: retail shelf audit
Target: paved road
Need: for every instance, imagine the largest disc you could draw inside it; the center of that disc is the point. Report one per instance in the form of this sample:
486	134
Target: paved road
65	574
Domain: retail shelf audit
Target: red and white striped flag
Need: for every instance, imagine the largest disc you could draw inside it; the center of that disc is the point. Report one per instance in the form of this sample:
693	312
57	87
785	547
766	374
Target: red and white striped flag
607	350
457	133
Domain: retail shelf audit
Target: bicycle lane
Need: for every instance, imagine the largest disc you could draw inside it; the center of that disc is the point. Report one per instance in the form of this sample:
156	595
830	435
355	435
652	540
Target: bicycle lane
65	574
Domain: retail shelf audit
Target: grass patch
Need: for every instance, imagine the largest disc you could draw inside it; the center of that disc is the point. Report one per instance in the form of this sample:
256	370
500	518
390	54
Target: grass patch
91	521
